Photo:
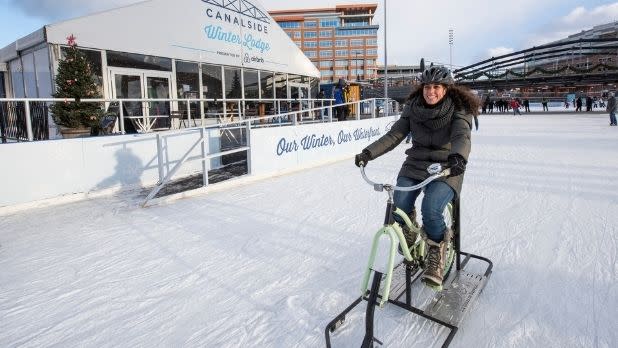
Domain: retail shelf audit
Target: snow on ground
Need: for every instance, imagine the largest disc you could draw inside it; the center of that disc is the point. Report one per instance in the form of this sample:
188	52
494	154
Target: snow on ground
269	264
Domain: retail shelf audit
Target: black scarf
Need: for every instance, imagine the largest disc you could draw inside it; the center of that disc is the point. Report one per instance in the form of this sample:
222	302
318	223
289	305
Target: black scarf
432	117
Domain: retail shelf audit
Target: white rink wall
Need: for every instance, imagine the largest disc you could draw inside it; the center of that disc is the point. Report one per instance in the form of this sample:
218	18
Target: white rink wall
42	170
33	171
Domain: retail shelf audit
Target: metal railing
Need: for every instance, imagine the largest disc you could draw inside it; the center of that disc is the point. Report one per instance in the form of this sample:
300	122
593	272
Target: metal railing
26	119
362	108
23	121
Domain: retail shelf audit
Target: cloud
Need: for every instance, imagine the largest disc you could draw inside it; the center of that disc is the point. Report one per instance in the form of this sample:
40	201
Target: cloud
578	19
498	51
53	10
580	16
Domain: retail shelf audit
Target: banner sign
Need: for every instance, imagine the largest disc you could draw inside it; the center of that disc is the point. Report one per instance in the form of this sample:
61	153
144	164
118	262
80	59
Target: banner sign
287	148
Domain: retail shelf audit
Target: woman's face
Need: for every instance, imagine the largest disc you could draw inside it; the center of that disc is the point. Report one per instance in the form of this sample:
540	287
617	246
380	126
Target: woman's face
433	93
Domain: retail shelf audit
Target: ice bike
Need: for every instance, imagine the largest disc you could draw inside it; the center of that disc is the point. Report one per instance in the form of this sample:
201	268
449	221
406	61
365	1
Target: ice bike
459	288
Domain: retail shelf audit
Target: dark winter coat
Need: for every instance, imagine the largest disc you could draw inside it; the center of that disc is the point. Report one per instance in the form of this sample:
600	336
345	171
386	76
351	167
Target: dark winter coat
436	132
611	105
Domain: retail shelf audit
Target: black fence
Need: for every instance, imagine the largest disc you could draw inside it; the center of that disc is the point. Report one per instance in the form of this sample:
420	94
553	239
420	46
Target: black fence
13	125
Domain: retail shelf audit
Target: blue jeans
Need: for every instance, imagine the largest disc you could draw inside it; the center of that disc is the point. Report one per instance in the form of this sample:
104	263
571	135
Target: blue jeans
437	196
612	117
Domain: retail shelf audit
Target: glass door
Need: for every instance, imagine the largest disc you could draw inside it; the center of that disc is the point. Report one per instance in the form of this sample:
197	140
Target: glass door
300	92
158	87
139	84
126	85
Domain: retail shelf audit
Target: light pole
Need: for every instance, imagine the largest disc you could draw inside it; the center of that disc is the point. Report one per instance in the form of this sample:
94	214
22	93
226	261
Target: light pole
385	60
450	42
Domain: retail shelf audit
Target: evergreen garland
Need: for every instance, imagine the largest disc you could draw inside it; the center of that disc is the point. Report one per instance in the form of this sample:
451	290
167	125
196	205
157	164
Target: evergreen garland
75	80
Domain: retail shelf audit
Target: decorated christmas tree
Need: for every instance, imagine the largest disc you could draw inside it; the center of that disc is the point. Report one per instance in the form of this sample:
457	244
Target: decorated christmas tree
75	80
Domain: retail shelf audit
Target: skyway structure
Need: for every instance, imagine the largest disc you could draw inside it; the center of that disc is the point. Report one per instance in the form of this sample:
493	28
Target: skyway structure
569	63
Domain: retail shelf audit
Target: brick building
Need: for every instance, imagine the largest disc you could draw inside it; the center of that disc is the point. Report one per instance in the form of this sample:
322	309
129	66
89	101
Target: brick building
341	41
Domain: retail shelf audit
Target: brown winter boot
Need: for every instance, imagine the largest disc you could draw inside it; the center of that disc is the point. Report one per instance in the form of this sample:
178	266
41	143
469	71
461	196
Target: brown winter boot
436	260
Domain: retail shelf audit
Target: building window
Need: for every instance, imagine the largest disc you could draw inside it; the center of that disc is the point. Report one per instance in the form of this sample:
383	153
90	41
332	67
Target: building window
341	53
96	66
341	43
371	42
357	32
326	33
356	42
355	52
311	24
326	54
372	52
281	86
27	61
251	83
43	73
212	87
311	54
341	72
138	61
233	84
356	24
324	73
17	78
326	63
289	24
212	82
311	44
310	34
343	63
266	84
326	43
331	22
297	34
187	79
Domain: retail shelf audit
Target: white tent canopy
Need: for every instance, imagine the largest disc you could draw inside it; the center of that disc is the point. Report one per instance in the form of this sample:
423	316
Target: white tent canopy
236	33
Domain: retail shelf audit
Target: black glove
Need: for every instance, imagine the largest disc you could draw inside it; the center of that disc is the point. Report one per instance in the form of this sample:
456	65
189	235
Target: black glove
362	158
457	164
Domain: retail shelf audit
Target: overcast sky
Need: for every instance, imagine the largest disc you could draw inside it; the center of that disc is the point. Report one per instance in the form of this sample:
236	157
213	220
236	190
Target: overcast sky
415	29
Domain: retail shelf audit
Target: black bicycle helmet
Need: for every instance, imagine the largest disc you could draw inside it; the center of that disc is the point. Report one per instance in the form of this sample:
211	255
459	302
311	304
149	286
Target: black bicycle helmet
437	74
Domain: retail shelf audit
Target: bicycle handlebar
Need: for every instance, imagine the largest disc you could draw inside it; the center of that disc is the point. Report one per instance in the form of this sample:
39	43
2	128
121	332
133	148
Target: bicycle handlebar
435	170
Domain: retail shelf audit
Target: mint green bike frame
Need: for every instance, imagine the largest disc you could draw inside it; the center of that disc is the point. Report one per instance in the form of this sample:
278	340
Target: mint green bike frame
416	252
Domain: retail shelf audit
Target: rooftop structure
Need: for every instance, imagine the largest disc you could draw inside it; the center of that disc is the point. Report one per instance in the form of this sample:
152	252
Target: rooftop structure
579	60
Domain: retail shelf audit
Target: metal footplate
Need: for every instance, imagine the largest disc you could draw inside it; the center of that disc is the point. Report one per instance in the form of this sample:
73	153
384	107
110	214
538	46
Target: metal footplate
398	282
451	304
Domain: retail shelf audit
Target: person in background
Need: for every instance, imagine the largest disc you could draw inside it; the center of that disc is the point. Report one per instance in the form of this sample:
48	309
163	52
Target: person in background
339	100
611	108
320	103
526	105
544	103
578	104
588	104
439	115
515	106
